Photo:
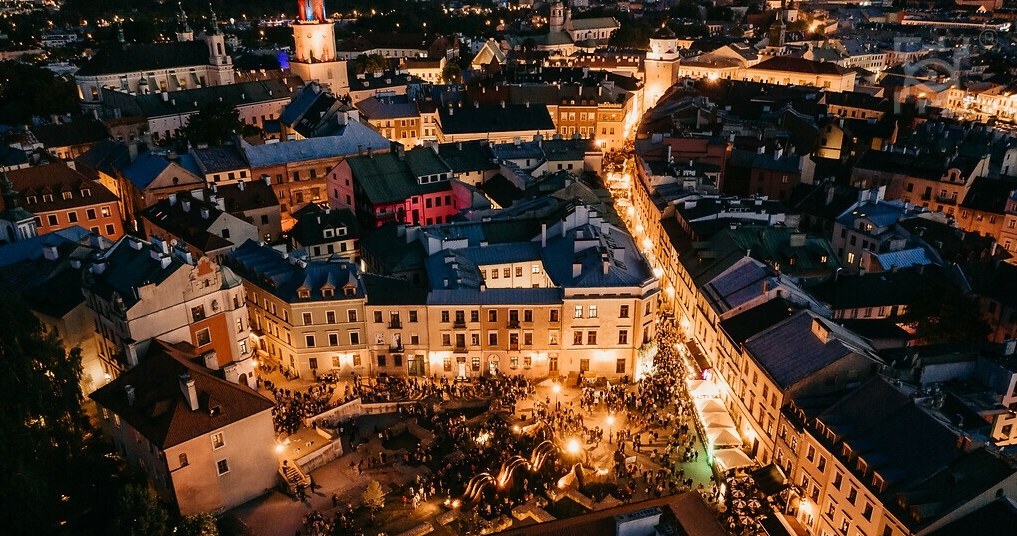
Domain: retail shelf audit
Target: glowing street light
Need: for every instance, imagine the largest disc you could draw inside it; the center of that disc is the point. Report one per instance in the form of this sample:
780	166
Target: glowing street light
556	388
610	424
573	447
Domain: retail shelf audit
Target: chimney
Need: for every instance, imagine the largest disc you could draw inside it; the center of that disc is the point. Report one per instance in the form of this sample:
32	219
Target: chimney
186	205
1009	346
189	391
165	96
267	179
172	199
129	389
204	213
131	352
240	185
50	253
132	151
607	265
543	235
577	269
211	360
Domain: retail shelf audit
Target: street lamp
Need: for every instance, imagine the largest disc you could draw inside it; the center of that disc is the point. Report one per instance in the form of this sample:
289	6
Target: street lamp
610	424
573	447
556	388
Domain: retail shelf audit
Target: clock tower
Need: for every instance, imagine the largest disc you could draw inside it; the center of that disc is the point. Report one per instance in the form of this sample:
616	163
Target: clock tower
314	57
660	66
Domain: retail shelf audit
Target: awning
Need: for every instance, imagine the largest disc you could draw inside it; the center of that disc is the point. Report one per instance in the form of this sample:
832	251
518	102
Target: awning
703	389
723	437
718	420
769	479
710	405
728	459
698	356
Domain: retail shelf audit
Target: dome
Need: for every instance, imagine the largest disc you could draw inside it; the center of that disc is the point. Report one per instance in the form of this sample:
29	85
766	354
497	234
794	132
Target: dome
664	32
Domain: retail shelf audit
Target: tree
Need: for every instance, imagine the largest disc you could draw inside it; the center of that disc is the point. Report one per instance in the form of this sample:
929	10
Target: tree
452	74
139	513
198	525
370	64
214	124
374	496
27	90
944	314
42	424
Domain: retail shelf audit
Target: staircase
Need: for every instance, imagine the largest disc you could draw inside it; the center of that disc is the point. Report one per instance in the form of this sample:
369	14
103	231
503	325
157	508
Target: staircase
292	476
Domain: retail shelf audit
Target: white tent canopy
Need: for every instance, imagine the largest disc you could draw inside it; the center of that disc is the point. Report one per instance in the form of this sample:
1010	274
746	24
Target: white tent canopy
728	459
703	389
710	405
721	420
723	437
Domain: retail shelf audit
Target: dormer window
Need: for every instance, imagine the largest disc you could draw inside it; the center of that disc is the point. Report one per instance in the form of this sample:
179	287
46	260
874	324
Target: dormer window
328	292
349	291
85	192
47	198
329	233
340	231
66	195
303	293
31	200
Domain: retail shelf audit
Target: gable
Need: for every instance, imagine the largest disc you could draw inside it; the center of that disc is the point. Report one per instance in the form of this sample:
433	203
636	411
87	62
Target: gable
174	170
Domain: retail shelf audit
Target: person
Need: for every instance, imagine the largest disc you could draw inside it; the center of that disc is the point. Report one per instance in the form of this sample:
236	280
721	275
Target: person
313	484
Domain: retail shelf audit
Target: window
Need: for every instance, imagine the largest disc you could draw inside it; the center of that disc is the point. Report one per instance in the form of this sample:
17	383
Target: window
183	459
553	316
377	317
810	453
351	315
578	312
198	313
72	217
333	339
506	273
492	338
330	317
591	337
623	312
413	316
593	311
623	336
202	338
313	363
852	495
445	317
217	441
105	212
222	467
474	316
475	364
850	258
822	464
867	512
837	480
527	315
381	360
535	269
619	366
307	319
577	337
447	364
309	340
90	213
492	315
446	339
519	271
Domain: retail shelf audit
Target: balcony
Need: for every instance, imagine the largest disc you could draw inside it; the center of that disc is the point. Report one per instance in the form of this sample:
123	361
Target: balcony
513	346
944	200
459	350
395	324
459	324
513	324
396	348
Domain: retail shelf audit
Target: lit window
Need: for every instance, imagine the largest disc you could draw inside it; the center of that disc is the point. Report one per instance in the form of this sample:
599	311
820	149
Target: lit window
217	441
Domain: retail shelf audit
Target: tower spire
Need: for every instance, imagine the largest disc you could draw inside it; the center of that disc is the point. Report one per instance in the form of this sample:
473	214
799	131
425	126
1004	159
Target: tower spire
120	32
182	26
214	30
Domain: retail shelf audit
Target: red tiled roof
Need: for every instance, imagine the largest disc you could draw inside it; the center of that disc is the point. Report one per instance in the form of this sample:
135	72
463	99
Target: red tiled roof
160	411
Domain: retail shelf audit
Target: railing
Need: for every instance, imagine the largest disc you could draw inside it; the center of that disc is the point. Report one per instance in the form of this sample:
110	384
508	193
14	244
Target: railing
398	348
395	324
513	324
459	324
459	350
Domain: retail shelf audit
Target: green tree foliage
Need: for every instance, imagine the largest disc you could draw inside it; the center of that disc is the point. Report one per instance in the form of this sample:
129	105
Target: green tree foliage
214	124
944	314
633	33
452	73
42	424
374	496
198	525
27	90
138	513
370	64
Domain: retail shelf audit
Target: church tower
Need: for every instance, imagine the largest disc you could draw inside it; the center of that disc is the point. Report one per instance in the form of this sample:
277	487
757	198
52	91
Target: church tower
221	70
314	56
556	22
16	223
661	66
184	31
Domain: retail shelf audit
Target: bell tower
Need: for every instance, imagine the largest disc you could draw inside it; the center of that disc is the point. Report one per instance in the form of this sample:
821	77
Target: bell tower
184	31
661	66
556	22
220	63
314	56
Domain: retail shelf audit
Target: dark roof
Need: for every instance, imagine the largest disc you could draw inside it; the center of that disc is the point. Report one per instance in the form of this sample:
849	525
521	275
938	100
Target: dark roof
383	290
266	267
790	351
191	225
997	517
190	101
390	253
387	178
129	266
161	413
745	324
800	65
219	159
253	195
993	280
106	156
467	156
145	57
989	195
312	220
878	289
79	132
494	118
57	179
